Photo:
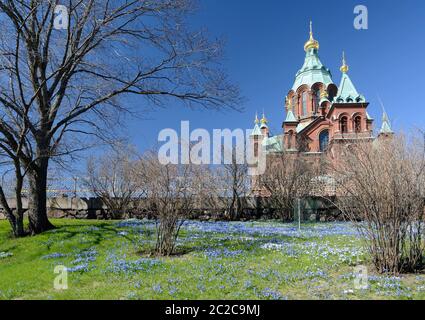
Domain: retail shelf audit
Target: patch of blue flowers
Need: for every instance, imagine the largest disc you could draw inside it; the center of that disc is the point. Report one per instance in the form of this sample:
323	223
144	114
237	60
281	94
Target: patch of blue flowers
269	294
123	266
85	256
270	229
346	254
79	268
390	286
55	255
212	253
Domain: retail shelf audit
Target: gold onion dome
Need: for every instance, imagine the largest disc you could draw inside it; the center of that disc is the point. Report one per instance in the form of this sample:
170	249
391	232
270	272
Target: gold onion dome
344	68
256	119
311	43
264	119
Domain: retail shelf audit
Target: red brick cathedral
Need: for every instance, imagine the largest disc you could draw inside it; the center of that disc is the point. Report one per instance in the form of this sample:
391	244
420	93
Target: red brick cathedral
319	114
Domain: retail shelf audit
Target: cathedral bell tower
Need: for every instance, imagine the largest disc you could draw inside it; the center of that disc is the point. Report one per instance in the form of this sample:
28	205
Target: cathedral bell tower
290	128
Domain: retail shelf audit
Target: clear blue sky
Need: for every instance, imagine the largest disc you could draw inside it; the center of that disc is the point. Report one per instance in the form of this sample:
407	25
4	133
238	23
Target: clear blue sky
265	49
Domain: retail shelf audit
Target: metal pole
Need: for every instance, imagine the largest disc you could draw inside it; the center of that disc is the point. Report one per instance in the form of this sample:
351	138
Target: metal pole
299	215
75	187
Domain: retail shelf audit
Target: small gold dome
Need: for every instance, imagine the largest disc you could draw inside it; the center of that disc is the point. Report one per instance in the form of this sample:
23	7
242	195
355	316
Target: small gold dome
311	43
323	93
344	68
264	119
256	119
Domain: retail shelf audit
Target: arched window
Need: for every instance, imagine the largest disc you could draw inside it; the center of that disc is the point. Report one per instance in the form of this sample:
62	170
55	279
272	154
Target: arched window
358	124
316	100
324	140
344	124
304	103
290	139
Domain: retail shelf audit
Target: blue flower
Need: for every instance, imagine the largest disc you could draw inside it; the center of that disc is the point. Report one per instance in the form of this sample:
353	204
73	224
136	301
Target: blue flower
54	256
269	294
119	266
80	268
157	288
222	253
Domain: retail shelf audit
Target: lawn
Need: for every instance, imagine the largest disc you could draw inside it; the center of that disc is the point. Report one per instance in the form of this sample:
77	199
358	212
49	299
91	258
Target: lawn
240	260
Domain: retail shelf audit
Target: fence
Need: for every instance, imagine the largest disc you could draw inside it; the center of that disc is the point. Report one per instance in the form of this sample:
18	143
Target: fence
65	187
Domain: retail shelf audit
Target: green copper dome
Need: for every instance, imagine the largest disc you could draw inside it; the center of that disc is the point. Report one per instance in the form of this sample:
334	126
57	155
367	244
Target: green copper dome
312	71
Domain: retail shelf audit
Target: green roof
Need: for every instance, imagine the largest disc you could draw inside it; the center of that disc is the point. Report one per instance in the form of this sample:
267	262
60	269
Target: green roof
386	126
312	71
256	131
273	144
290	117
347	92
368	116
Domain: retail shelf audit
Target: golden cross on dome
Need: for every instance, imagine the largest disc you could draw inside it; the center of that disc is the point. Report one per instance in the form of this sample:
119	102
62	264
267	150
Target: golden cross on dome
311	30
264	119
344	68
311	43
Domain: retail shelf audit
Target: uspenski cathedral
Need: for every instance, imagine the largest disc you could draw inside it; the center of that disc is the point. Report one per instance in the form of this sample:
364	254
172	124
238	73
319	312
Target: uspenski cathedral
320	116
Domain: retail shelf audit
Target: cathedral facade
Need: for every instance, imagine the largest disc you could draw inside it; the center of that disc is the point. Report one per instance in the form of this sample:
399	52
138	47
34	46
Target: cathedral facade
320	116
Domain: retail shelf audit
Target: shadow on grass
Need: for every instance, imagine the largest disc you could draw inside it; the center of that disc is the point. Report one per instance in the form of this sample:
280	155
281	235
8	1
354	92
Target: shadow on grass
97	233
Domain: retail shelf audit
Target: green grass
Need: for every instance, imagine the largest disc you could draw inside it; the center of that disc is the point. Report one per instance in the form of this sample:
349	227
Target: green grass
228	263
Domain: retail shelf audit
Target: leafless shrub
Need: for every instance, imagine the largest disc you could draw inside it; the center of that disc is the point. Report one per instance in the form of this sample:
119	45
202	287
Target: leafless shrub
112	177
231	185
287	178
382	186
171	194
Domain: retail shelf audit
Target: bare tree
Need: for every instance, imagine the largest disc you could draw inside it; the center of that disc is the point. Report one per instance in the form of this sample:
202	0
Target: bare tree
380	187
171	193
113	179
287	178
57	85
231	184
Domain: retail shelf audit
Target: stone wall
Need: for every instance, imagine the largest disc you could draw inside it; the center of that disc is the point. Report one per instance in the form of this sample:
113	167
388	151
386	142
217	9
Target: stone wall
68	207
255	208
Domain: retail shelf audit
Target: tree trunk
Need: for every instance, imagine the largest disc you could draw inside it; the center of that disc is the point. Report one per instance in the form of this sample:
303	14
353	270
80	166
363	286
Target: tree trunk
16	220
37	214
18	229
